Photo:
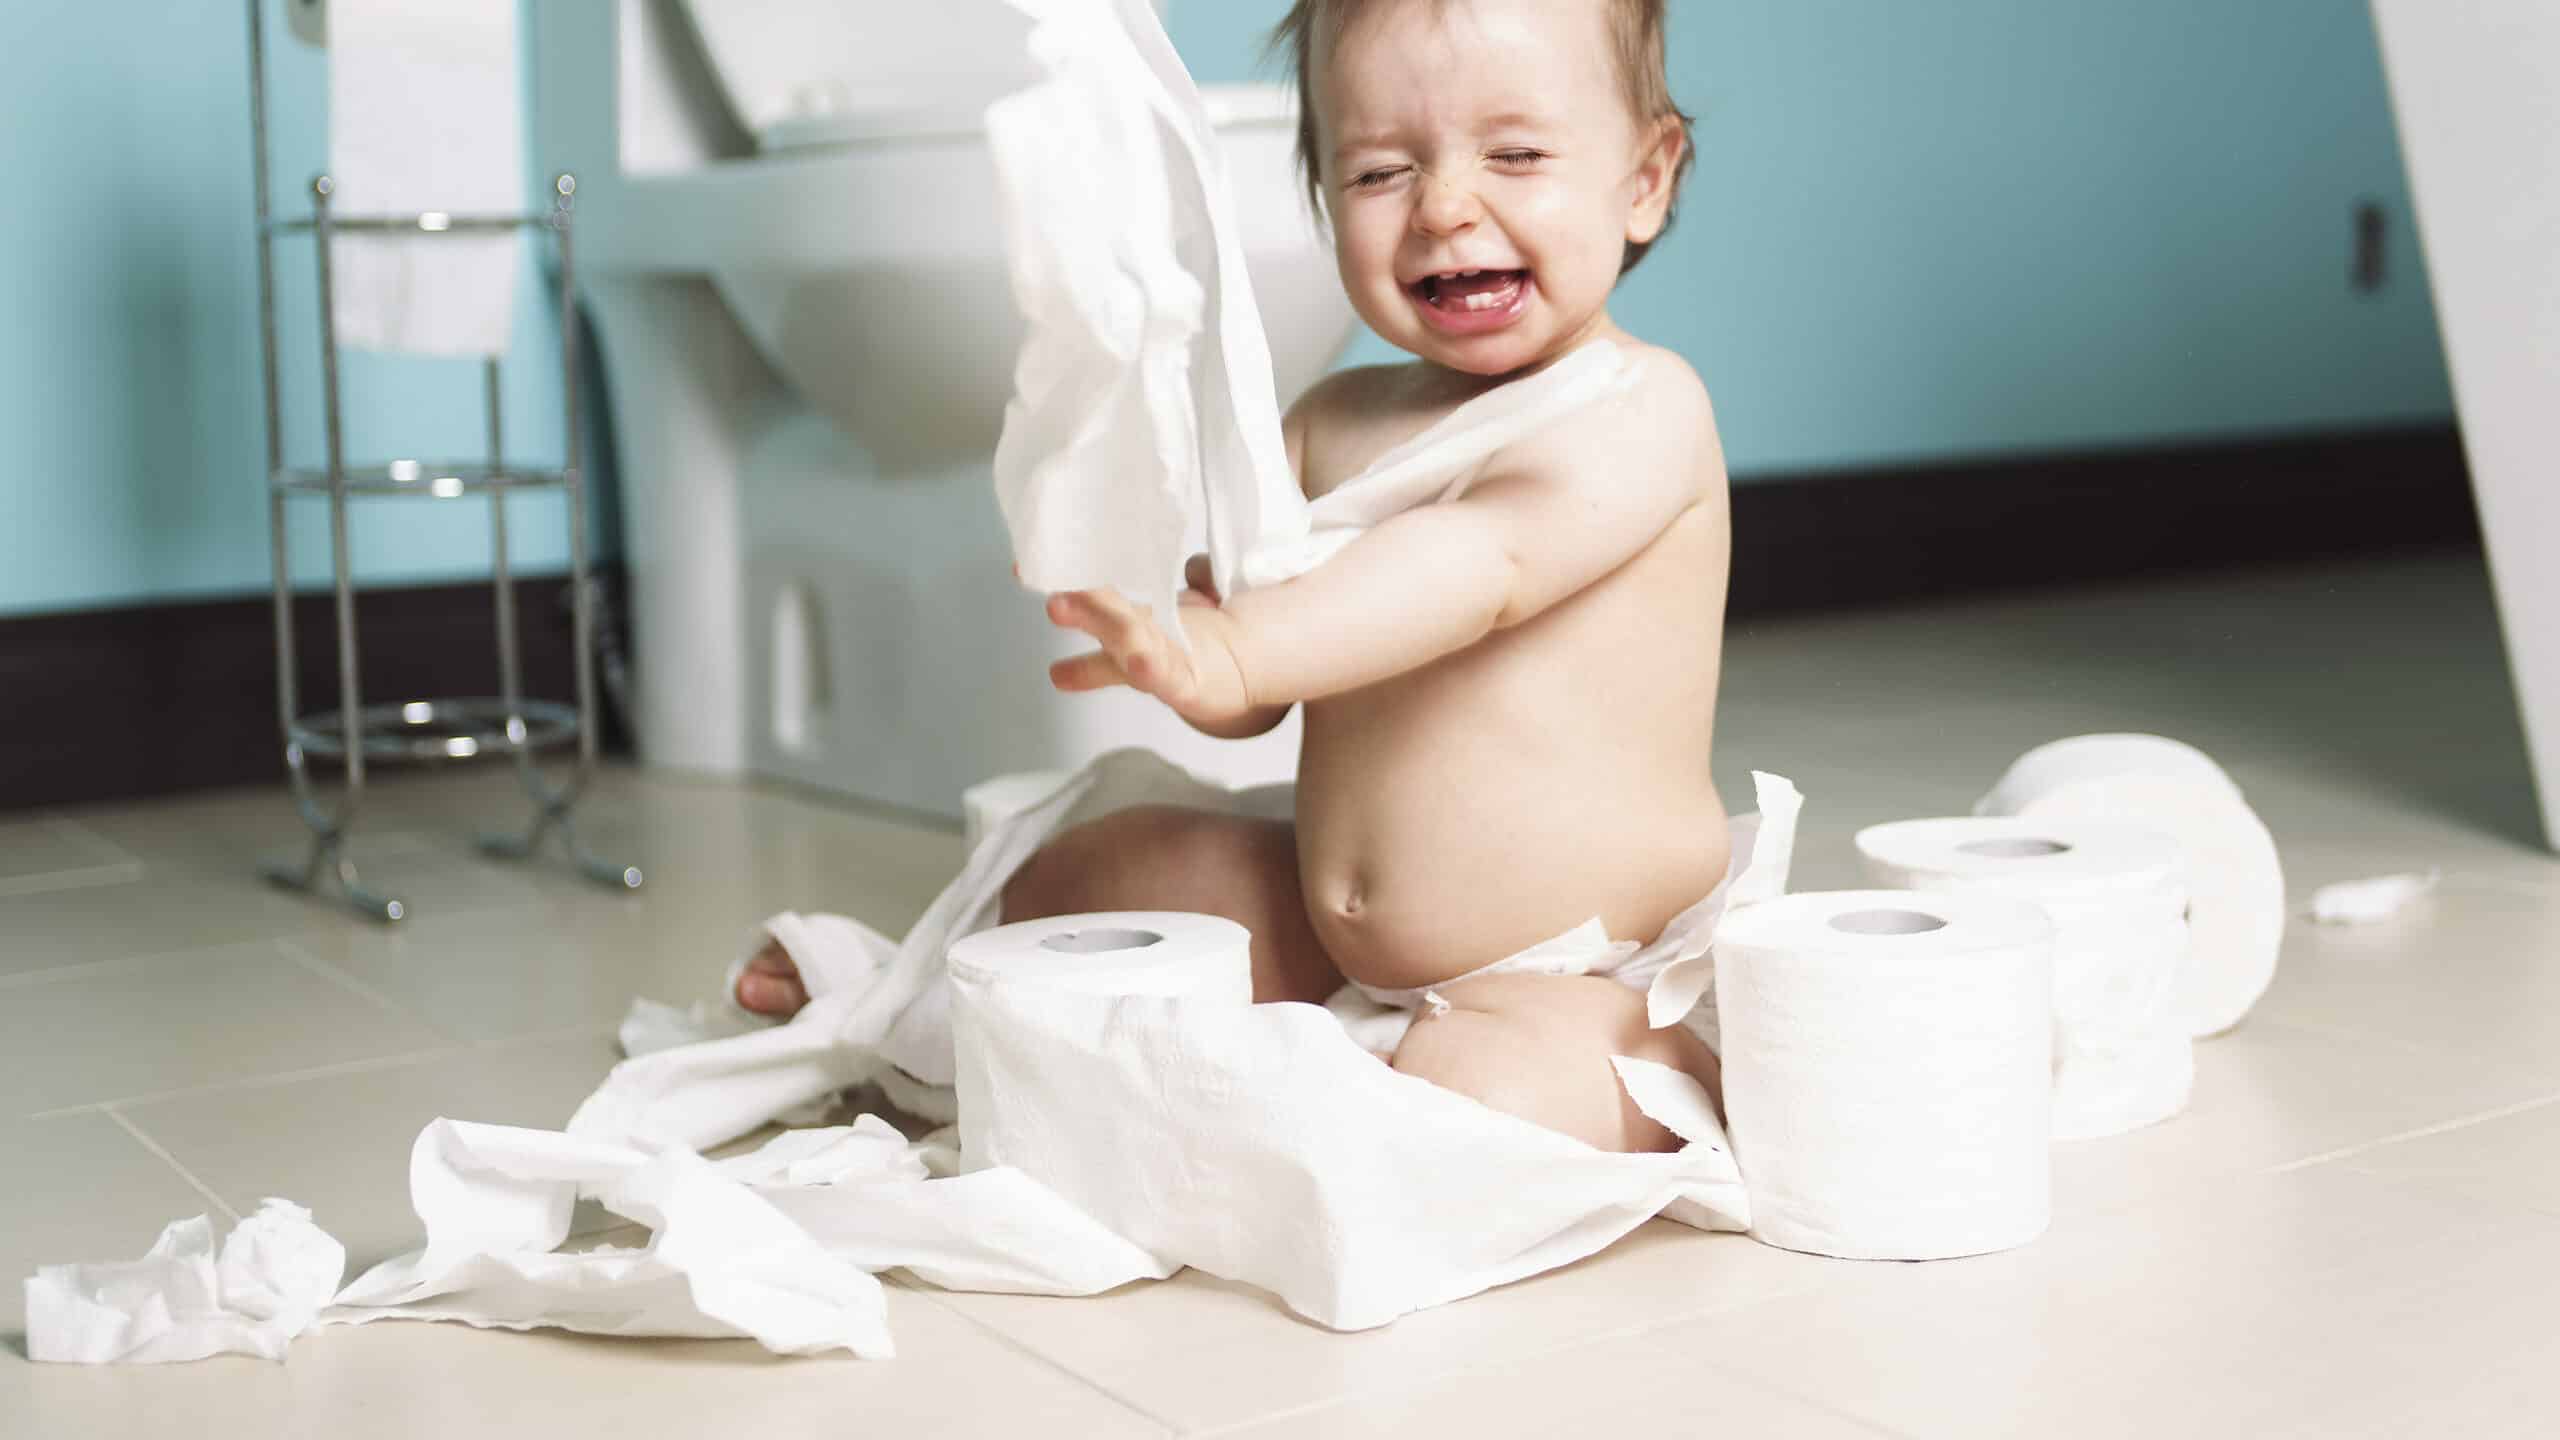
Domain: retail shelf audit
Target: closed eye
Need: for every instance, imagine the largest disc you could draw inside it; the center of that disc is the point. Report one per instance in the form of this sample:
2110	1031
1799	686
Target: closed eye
1379	179
1517	159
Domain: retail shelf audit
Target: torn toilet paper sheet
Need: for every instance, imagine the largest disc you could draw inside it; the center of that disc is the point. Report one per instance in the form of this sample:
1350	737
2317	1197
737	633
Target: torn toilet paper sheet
1145	420
778	1246
1145	423
1119	1060
275	1272
1684	988
880	1009
2370	902
1439	463
720	1261
877	1009
1315	1138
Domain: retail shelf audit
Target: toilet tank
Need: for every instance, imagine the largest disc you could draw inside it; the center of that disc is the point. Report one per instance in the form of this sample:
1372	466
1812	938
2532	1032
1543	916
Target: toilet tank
782	60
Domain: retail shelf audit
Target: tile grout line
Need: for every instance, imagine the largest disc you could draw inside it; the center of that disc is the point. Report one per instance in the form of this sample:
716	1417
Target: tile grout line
926	1293
154	1146
53	973
2344	1152
84	877
251	1082
352	985
1578	1343
2329	1030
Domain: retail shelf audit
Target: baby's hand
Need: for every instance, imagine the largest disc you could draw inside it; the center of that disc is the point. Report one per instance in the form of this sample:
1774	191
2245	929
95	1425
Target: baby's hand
1205	688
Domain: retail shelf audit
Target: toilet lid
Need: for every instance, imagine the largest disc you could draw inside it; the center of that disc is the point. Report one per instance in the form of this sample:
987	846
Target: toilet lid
944	119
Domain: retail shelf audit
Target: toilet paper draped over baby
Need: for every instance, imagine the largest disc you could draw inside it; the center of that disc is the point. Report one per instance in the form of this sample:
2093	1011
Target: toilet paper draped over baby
1145	424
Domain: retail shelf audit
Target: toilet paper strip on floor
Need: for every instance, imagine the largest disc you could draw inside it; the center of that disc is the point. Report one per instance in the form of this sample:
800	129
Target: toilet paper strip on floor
1110	1114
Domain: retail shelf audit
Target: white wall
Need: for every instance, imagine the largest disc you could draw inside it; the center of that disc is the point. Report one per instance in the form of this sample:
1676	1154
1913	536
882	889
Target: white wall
2477	85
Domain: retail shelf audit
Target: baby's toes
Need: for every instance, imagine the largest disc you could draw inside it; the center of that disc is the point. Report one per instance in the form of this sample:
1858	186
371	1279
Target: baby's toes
770	985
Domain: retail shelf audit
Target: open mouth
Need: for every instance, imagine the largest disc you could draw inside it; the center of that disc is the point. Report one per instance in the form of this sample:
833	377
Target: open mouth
1471	301
1472	292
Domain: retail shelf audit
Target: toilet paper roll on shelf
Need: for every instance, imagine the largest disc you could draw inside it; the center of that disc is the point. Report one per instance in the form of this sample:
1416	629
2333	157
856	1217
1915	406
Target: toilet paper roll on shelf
1888	1071
2117	898
424	116
2235	880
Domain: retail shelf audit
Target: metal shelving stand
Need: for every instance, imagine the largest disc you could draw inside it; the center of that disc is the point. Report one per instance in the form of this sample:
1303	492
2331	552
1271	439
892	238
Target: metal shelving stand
418	730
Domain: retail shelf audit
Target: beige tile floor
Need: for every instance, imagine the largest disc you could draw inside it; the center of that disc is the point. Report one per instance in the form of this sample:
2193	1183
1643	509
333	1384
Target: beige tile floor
2355	1231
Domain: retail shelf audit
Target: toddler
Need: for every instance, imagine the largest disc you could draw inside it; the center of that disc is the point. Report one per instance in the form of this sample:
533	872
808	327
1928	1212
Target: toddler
1509	695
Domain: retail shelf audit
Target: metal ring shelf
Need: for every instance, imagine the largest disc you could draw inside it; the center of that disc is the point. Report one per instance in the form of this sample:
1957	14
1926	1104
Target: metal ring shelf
428	730
512	725
428	222
422	479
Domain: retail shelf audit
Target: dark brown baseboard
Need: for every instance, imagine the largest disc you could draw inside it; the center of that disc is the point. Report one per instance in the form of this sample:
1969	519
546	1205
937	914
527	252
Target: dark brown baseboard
156	699
1867	537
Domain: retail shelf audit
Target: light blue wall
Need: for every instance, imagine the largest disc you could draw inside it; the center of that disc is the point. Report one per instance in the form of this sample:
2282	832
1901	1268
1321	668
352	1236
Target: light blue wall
1917	229
131	431
1962	227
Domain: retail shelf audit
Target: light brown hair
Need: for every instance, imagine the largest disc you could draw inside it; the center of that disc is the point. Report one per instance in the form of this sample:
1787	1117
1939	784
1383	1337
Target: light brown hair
1635	30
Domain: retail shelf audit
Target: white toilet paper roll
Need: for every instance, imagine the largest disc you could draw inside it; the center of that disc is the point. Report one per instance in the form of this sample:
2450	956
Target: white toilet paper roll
1888	1071
2235	880
1135	956
1139	954
1139	1084
2122	1058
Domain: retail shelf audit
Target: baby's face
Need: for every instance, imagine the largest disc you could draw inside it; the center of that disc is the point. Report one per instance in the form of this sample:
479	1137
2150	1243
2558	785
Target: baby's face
1484	176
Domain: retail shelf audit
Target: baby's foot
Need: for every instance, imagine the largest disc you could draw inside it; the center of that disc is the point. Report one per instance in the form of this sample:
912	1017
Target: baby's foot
770	985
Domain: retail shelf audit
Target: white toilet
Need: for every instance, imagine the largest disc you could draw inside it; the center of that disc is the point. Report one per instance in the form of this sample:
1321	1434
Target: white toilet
788	241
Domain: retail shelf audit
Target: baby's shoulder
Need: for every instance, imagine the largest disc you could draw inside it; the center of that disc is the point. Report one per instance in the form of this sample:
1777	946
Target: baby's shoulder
1353	396
1345	419
1667	404
1663	424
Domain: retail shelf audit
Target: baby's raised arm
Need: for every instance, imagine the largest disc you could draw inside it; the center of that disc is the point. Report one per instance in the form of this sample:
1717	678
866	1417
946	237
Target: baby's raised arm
1551	516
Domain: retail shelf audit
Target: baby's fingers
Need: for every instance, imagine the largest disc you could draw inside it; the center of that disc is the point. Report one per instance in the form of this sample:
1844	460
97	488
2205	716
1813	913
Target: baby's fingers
1101	614
1094	671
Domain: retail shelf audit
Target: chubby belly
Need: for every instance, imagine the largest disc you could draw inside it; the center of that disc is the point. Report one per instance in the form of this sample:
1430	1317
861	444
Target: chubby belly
1501	796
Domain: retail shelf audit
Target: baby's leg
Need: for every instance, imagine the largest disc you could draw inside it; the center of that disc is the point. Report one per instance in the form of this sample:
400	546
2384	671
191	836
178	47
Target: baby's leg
1149	857
1164	857
1538	1047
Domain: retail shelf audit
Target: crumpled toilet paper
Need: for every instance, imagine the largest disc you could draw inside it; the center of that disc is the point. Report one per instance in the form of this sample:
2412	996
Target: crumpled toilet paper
779	1245
1282	1091
2370	902
1124	1119
721	1262
275	1272
1144	414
